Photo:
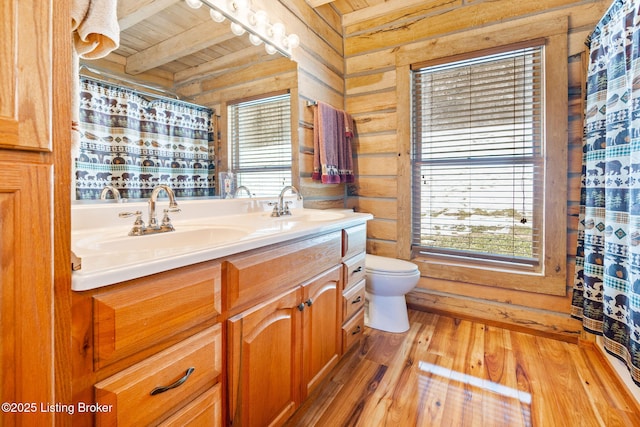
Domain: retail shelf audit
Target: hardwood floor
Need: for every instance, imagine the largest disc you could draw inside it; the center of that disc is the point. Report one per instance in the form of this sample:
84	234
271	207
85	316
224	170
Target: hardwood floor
451	372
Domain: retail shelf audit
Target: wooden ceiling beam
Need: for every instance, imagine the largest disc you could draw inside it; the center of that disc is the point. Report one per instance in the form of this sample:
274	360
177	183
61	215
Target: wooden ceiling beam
193	40
378	10
316	3
223	64
132	12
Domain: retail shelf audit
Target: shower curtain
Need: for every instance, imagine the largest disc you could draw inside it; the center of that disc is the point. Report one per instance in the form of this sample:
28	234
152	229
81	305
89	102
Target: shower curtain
606	292
134	144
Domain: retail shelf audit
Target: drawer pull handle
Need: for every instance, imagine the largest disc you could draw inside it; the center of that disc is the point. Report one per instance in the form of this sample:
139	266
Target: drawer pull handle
356	331
357	270
357	300
178	383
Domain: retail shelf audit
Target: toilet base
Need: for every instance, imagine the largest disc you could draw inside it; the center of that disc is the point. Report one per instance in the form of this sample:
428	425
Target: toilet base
386	313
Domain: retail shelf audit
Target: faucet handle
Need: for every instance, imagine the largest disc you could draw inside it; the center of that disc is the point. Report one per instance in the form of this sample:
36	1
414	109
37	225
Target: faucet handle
138	225
276	209
285	209
130	214
166	221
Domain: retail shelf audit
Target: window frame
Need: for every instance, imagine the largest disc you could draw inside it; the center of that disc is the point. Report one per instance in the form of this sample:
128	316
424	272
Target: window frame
226	160
533	159
551	275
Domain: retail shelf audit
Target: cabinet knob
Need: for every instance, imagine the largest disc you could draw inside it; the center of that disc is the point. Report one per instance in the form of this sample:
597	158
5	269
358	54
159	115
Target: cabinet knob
301	306
178	383
309	302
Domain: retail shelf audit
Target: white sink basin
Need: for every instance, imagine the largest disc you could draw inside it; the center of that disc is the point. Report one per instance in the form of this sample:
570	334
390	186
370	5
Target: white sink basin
322	216
314	216
184	237
205	230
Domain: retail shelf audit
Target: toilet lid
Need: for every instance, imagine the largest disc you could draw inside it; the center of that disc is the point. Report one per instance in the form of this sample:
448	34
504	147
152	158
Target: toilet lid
381	264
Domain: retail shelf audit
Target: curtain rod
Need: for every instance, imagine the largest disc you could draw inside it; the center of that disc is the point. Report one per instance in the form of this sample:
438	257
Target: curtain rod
125	81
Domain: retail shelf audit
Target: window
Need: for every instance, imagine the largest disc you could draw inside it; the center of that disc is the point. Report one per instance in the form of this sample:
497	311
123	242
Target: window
260	144
478	163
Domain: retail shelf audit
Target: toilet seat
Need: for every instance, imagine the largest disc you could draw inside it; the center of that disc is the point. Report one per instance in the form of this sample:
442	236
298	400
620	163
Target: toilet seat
389	266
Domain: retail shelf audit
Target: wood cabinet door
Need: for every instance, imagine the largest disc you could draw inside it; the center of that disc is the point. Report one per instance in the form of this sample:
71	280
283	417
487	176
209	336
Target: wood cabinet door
26	294
322	332
25	83
264	362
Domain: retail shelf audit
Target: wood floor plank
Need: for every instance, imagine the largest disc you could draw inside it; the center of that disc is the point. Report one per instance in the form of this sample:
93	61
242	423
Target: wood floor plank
611	404
390	404
528	361
463	399
451	372
563	382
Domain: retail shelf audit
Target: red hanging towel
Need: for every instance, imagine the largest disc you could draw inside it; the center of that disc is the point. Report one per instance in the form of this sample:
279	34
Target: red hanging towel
332	135
345	162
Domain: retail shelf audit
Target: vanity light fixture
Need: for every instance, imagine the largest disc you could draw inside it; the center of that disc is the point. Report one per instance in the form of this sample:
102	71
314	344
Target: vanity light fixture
244	19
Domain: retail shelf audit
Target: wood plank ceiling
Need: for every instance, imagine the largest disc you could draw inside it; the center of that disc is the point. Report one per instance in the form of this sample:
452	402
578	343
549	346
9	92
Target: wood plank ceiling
164	41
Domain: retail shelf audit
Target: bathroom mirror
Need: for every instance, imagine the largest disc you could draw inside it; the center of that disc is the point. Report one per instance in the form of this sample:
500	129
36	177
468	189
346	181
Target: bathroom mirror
167	50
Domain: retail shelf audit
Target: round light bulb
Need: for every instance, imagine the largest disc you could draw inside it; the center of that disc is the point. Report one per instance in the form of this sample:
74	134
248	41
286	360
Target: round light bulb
270	49
278	29
261	18
194	4
255	40
236	5
216	16
293	41
237	29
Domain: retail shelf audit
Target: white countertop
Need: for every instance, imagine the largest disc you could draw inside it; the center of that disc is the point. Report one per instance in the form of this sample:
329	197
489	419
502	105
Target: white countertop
205	230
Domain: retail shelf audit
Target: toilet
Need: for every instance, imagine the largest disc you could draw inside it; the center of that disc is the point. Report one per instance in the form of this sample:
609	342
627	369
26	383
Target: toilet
387	282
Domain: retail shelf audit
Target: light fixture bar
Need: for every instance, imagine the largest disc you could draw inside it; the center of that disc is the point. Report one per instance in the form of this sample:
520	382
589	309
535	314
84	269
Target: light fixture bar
244	18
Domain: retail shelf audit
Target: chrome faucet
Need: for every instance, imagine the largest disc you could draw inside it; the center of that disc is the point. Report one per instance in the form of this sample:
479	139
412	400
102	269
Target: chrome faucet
139	228
242	187
173	207
281	207
113	190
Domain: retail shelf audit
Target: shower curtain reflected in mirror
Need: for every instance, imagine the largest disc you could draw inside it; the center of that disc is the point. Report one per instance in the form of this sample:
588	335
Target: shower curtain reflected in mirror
134	144
606	293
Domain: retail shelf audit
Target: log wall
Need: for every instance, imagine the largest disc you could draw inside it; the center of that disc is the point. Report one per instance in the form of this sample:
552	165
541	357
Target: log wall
371	47
349	62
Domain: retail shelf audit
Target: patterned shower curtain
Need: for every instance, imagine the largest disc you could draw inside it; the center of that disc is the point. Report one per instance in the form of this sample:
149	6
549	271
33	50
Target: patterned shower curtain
606	293
134	144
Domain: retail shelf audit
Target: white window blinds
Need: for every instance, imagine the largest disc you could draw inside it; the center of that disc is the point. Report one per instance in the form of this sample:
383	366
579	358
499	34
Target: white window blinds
477	161
260	144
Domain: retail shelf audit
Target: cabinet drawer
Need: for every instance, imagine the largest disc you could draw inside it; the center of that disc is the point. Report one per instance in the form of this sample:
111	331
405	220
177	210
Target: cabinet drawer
151	310
127	394
352	331
354	240
203	411
354	270
353	300
264	273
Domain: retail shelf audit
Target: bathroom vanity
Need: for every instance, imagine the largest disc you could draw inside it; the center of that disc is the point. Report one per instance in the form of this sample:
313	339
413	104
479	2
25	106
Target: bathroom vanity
239	330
